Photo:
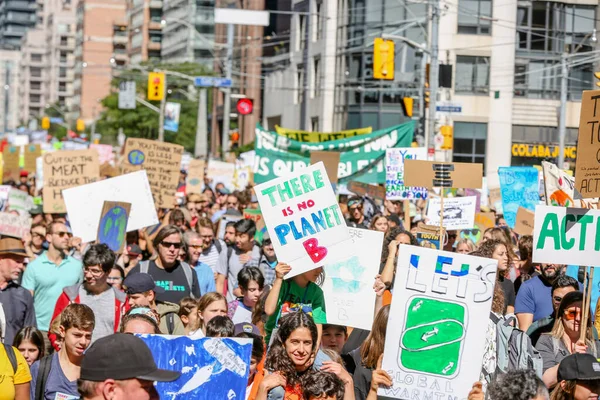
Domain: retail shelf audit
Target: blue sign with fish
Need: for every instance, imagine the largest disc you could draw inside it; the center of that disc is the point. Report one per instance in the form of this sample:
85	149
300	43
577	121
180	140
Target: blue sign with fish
519	188
211	368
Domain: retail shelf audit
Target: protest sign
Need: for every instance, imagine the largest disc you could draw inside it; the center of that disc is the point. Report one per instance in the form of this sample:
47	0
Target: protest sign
19	200
130	188
30	154
524	222
375	192
519	188
428	239
105	153
319	137
172	111
14	225
112	225
432	174
394	169
211	368
496	200
225	219
10	156
195	177
220	172
242	177
256	216
587	166
436	328
162	164
66	169
361	159
331	161
348	287
560	188
459	212
4	190
566	235
304	220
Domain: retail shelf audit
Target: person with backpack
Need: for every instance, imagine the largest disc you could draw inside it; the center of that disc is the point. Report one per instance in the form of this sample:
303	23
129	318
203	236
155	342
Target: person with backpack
55	376
107	303
177	278
211	247
14	374
142	291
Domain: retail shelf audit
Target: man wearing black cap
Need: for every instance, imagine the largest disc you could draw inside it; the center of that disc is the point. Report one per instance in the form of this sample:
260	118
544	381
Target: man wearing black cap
142	290
357	217
579	377
121	367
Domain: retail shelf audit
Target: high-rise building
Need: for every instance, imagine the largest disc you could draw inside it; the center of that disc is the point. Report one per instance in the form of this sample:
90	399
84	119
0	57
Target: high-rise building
34	74
94	49
9	90
145	30
16	17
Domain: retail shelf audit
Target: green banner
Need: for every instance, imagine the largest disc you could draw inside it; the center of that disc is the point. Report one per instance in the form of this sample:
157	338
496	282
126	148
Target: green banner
362	157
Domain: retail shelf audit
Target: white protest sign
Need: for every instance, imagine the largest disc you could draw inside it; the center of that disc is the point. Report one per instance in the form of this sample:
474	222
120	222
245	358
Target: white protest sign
14	225
459	212
39	174
19	200
304	219
84	203
394	173
348	286
564	235
221	172
438	319
4	190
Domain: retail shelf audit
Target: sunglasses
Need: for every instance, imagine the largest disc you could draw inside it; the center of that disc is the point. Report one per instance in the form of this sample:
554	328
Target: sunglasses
63	234
168	245
570	315
35	234
352	209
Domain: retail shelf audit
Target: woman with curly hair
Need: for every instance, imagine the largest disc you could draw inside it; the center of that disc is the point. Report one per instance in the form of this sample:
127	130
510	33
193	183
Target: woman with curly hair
393	239
497	250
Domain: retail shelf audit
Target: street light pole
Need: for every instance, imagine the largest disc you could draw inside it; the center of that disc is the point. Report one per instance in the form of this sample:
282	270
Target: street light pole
227	97
433	73
562	116
201	146
161	115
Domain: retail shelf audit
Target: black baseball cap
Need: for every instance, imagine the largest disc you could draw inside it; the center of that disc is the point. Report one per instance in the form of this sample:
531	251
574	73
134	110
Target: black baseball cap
580	367
246	327
140	283
122	356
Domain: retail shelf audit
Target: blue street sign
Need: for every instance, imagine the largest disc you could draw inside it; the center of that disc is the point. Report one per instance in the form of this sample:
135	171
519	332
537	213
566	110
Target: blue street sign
212	81
56	120
449	109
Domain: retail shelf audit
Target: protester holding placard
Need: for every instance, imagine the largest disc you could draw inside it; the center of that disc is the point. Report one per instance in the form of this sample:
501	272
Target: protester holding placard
496	250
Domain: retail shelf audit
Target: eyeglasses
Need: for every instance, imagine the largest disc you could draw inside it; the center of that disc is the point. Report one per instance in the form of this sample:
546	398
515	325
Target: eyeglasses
93	272
570	315
232	204
557	299
352	209
36	234
168	245
195	246
63	234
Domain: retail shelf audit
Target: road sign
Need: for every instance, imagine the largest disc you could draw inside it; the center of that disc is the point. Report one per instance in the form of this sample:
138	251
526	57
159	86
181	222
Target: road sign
127	95
56	120
448	107
212	81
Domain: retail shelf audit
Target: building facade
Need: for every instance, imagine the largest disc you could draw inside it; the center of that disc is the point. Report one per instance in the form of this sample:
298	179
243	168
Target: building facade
16	18
33	76
9	90
144	19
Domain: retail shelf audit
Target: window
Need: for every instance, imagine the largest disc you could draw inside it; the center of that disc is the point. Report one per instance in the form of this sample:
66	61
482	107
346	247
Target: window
302	31
469	142
36	57
318	21
474	17
538	79
472	75
314	124
299	84
316	78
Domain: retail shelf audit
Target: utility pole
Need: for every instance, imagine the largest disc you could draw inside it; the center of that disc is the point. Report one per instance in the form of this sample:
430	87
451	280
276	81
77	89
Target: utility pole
433	72
201	146
161	115
305	80
422	93
562	115
227	101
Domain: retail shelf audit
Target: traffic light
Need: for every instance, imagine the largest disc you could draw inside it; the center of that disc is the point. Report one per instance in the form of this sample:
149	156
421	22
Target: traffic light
245	106
383	59
45	123
597	75
234	139
448	134
80	126
156	86
427	93
407	103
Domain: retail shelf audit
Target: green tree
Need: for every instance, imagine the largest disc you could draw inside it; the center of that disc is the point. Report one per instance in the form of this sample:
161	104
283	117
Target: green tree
143	122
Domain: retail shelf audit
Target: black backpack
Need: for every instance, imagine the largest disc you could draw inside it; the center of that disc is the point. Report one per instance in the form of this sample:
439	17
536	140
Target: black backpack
12	357
42	377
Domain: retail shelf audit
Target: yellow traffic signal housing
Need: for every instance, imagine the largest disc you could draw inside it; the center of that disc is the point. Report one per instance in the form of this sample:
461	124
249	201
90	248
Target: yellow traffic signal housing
597	75
383	59
448	134
45	123
80	125
408	103
156	85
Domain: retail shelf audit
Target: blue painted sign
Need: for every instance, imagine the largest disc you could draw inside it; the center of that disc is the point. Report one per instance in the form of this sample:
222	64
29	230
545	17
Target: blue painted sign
212	81
519	187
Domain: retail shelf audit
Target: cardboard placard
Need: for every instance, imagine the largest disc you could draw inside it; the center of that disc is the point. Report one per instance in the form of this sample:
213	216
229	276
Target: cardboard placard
14	225
85	203
461	175
242	177
162	163
519	188
220	172
376	192
331	160
112	225
349	295
30	154
587	166
525	222
485	220
195	177
66	169
10	156
559	188
304	220
459	212
394	173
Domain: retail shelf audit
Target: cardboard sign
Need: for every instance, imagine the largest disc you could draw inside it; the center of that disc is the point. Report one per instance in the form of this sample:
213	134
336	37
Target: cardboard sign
162	164
331	160
10	156
348	288
432	174
587	167
85	203
524	222
30	154
220	172
105	153
242	177
256	216
394	173
436	328
559	188
14	225
459	212
377	193
66	169
195	177
485	221
112	226
566	236
211	368
496	200
519	188
304	220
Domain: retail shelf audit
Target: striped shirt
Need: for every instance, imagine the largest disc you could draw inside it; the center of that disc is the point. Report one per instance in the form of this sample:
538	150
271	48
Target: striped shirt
211	256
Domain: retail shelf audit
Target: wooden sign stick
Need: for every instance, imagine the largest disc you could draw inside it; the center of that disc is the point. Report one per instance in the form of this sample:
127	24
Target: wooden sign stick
407	215
585	312
441	218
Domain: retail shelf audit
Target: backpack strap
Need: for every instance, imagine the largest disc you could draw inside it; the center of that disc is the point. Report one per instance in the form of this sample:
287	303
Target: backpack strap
144	266
189	277
170	323
12	357
42	378
218	245
229	253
